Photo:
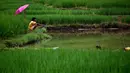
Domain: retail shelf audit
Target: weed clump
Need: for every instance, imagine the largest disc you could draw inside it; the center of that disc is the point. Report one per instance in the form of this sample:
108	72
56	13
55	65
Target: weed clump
29	38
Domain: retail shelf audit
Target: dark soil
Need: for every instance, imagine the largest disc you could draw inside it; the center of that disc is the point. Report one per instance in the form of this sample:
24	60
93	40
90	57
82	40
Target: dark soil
80	29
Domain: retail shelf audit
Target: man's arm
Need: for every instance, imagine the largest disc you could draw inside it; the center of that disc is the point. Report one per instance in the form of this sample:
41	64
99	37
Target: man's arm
43	25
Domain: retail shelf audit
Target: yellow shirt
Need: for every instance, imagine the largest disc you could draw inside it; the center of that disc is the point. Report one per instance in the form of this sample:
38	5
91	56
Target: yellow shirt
32	24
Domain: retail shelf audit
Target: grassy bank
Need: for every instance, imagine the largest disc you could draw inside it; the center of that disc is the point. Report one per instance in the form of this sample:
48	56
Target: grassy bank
29	38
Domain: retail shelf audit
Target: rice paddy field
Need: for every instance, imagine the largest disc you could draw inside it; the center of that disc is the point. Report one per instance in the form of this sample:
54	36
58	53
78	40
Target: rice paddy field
64	61
72	52
64	12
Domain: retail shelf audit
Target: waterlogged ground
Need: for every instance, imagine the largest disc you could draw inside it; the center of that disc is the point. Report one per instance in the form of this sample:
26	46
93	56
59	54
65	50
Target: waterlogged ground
81	41
85	41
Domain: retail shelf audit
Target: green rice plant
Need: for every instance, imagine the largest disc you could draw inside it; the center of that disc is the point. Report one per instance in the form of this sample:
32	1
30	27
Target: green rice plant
58	11
107	3
76	3
115	11
104	11
14	5
88	3
126	19
64	61
64	4
38	8
32	37
82	19
12	25
35	6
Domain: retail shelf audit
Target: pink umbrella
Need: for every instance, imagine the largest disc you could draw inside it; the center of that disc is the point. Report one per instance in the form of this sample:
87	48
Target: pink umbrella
20	9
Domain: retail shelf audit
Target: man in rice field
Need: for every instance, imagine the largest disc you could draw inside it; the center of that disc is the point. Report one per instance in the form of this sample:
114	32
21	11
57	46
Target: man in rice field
33	24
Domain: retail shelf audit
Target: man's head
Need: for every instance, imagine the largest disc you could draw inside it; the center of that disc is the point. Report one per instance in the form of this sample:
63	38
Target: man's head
33	19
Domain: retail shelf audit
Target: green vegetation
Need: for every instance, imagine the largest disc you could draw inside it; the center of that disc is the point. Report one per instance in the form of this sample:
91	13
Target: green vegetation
64	61
71	19
61	12
103	11
88	3
76	53
12	25
56	12
31	37
126	19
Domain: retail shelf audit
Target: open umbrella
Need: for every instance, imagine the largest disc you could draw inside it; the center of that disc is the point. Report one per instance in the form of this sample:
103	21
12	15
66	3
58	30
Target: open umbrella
21	9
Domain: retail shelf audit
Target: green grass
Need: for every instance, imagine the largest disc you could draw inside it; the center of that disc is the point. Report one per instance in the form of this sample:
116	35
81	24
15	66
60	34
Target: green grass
126	19
76	54
12	25
88	3
82	19
64	61
80	12
105	11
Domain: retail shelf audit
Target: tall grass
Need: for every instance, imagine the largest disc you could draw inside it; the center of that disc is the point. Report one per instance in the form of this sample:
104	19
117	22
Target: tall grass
88	3
126	19
104	11
64	61
76	3
12	4
45	10
114	11
12	25
84	19
9	24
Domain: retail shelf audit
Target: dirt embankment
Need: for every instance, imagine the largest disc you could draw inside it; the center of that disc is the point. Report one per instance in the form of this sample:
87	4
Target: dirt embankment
78	29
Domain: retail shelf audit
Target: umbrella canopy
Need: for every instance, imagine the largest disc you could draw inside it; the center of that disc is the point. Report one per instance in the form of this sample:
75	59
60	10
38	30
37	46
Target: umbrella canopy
20	9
